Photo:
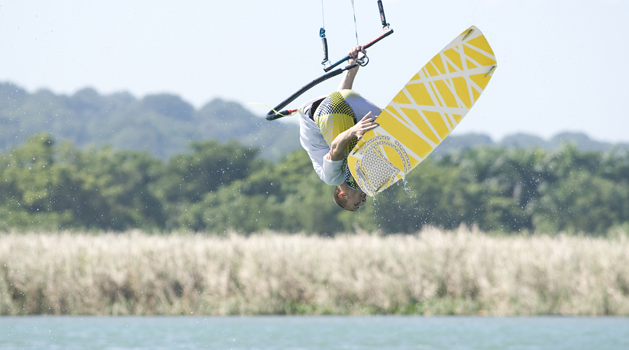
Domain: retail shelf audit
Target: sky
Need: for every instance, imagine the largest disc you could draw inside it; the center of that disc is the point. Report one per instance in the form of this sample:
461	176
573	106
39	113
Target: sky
562	64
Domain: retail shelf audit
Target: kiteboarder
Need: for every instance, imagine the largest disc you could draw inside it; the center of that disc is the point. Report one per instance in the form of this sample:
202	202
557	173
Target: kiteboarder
330	126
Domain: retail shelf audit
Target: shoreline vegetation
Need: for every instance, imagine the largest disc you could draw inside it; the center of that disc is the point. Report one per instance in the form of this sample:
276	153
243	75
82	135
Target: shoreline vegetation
223	187
432	272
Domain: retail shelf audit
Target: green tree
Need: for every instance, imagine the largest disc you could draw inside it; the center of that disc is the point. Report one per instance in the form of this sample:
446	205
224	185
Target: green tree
189	176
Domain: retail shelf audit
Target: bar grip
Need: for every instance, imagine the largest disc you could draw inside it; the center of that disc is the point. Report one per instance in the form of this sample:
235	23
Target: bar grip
325	50
383	19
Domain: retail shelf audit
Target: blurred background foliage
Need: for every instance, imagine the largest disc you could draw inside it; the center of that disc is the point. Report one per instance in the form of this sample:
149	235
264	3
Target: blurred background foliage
115	162
219	186
164	124
161	124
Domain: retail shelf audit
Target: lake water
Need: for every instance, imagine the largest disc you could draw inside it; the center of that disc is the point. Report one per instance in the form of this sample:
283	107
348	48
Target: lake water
333	332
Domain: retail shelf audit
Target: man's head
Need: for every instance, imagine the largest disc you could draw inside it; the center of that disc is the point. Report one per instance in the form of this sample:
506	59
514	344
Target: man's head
348	198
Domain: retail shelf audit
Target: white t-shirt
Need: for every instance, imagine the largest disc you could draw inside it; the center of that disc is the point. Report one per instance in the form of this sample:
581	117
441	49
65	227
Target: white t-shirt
330	171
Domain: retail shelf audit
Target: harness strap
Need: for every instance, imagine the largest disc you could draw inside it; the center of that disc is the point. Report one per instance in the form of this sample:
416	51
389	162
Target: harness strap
313	108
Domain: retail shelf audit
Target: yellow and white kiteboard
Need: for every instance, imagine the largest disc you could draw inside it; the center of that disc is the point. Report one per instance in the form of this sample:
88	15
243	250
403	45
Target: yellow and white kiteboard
424	113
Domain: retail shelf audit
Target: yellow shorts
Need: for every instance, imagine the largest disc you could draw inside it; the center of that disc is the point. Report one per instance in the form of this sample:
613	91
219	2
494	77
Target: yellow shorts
335	116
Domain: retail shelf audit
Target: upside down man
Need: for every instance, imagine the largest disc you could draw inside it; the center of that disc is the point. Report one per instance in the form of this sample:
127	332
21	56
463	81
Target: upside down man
329	127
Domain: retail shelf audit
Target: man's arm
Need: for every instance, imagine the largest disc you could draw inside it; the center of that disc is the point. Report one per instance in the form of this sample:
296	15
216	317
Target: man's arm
348	79
339	144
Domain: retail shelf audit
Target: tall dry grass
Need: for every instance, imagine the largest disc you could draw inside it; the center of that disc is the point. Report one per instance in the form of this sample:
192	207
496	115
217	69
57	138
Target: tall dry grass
432	272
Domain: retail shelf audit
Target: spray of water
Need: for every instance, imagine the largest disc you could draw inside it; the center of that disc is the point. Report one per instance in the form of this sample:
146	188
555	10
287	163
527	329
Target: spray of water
405	184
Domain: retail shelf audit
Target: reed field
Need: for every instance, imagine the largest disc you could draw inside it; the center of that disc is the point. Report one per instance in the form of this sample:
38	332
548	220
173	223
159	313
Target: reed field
433	272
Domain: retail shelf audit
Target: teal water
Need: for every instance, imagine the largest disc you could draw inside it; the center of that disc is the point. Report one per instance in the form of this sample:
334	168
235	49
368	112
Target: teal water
352	333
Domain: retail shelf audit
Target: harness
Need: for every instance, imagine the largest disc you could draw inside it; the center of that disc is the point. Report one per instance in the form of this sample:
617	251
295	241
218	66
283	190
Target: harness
310	110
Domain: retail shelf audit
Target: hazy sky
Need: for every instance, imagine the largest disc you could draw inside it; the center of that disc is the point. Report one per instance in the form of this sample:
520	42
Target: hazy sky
562	64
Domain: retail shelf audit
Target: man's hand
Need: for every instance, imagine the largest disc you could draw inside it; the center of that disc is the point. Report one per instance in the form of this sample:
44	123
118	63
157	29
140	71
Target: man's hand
348	78
353	54
364	125
338	146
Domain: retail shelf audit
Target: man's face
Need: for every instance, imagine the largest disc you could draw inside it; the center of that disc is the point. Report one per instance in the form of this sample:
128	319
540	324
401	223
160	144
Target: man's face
355	199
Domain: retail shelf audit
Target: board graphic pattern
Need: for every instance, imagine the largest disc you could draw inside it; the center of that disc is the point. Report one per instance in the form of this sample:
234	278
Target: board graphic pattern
424	112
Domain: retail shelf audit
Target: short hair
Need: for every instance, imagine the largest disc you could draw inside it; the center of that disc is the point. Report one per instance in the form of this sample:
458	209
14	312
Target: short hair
341	202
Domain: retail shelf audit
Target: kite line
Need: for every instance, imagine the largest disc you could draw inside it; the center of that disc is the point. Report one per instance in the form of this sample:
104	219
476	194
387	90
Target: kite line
327	66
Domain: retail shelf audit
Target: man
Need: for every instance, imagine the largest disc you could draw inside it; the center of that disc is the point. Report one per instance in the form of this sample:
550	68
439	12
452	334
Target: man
330	126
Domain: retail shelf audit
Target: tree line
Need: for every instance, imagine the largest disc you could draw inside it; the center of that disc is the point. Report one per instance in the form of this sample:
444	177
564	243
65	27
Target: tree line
217	187
162	124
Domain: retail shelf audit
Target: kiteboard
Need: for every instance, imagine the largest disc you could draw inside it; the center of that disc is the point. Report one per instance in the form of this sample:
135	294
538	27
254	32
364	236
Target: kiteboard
423	113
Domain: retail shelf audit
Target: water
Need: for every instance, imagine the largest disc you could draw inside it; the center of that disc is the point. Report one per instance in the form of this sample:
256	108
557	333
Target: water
382	332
